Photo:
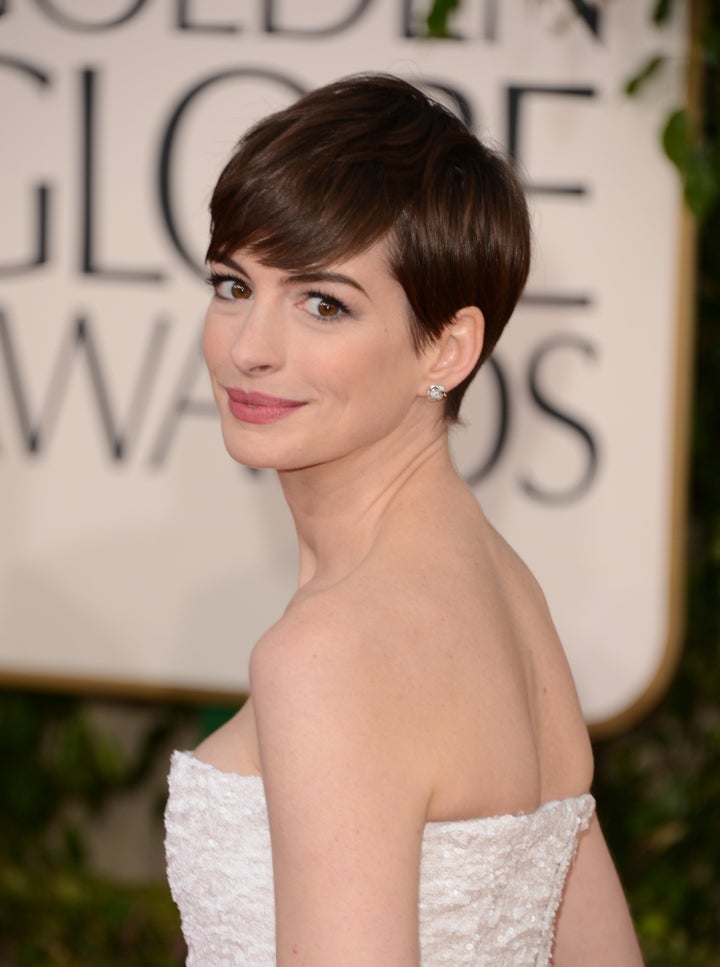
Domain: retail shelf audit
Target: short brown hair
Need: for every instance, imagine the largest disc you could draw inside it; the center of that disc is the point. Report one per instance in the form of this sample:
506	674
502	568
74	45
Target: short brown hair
372	157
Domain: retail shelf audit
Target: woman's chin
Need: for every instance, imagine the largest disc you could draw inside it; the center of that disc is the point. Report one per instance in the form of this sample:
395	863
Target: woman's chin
259	458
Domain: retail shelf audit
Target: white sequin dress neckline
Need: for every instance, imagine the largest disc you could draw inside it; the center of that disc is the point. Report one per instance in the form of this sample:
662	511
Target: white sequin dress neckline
489	887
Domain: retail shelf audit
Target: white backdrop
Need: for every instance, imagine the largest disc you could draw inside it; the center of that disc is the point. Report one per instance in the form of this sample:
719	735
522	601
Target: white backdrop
134	553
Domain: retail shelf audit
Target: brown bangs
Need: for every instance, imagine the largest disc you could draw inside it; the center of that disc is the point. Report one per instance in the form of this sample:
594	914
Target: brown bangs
296	221
305	189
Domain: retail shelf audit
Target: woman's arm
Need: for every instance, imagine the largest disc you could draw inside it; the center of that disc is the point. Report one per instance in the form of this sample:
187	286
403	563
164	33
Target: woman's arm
594	927
346	798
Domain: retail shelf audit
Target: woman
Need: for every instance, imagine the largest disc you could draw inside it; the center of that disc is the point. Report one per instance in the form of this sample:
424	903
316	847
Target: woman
408	780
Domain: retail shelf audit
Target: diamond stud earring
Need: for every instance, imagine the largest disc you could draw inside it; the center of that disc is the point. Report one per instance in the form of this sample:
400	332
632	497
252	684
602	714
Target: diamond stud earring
436	392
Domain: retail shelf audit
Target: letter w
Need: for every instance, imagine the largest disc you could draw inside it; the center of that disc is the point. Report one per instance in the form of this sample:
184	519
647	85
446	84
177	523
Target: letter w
80	339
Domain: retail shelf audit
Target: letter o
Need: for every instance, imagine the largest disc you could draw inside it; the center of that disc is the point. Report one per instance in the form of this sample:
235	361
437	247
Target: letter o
165	168
65	20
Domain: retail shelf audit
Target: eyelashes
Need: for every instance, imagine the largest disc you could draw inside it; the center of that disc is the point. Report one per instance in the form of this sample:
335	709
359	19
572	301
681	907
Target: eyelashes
326	306
320	305
230	288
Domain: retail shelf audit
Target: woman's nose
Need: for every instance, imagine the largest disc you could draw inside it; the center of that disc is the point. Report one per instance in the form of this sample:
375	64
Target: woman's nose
258	344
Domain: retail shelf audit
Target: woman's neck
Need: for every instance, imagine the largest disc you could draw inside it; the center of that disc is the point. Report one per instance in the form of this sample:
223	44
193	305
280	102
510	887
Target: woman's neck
339	507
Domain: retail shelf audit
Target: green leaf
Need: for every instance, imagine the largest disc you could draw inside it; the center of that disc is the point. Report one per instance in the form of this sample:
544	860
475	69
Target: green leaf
438	17
702	184
677	137
694	161
663	11
649	69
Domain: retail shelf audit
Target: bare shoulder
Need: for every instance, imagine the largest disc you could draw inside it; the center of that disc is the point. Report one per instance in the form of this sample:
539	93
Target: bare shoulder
335	707
346	805
318	637
319	663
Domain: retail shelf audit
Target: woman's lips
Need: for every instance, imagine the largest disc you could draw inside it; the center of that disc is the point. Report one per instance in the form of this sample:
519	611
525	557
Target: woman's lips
258	407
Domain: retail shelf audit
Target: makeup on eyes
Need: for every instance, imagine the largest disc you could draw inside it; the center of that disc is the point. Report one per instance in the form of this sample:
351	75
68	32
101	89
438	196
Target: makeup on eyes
329	308
215	280
328	302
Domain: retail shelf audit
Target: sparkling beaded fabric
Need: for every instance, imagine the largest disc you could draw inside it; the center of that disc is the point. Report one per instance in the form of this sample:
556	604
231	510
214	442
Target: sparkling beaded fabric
489	888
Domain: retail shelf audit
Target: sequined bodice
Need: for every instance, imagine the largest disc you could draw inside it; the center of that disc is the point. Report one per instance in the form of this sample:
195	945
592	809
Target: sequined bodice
489	888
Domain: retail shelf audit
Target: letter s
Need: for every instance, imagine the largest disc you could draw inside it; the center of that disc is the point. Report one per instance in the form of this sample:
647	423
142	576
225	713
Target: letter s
576	489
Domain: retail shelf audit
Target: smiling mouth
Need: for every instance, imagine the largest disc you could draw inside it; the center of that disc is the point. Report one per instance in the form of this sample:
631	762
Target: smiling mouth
259	407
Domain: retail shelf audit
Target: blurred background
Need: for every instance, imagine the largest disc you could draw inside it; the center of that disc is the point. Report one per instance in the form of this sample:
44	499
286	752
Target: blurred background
84	758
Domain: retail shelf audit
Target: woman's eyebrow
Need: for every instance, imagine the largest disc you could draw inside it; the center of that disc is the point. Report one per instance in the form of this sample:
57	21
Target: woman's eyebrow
302	277
318	276
231	264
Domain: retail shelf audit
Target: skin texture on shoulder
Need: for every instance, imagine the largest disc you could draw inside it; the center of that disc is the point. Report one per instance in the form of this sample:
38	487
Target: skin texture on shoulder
346	797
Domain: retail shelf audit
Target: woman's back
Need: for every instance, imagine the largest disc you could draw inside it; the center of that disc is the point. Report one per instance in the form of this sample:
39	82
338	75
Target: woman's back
445	615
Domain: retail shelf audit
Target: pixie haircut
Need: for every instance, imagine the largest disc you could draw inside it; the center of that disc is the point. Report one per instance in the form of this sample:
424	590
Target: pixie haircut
368	158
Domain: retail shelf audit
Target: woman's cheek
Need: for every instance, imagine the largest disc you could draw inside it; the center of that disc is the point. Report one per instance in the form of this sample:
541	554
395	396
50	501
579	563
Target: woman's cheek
211	343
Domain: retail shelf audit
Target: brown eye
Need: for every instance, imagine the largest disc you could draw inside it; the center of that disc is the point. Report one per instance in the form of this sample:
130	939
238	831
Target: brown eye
229	288
324	307
327	309
238	290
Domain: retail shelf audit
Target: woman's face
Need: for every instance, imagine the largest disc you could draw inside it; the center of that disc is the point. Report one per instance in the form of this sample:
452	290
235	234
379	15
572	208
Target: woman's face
307	368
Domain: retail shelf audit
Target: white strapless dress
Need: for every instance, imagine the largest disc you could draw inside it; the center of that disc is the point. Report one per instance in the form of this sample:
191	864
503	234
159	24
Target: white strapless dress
489	888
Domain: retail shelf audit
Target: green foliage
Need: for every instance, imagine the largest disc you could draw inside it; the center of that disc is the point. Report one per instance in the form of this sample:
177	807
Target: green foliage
663	11
437	19
651	68
659	786
694	152
695	159
65	918
694	149
59	769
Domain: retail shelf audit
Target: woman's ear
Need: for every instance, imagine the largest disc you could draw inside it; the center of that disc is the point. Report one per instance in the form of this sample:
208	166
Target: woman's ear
454	354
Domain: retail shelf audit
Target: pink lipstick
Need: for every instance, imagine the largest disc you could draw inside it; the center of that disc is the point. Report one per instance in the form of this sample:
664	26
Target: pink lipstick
258	407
